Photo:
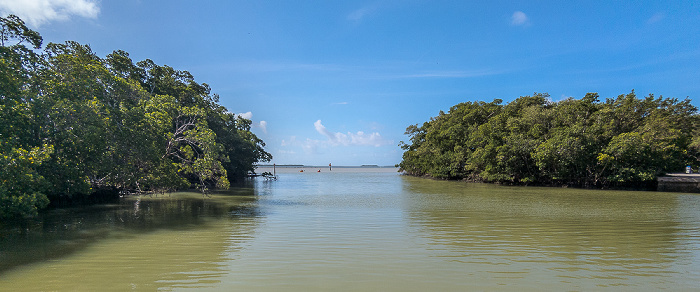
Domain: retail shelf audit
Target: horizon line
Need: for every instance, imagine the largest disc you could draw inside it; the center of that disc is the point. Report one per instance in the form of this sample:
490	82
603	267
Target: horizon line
316	166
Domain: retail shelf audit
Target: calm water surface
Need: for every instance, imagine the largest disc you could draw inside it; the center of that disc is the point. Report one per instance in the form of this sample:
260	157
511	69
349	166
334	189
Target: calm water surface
366	229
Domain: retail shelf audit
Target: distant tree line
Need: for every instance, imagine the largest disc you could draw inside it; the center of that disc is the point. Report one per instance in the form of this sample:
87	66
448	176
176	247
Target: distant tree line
73	124
623	141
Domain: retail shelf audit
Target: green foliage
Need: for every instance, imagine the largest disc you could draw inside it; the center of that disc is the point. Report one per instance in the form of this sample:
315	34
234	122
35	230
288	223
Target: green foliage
13	28
72	123
581	142
21	187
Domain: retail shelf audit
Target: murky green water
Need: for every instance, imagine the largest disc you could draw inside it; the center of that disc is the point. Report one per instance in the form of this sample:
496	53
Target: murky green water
363	230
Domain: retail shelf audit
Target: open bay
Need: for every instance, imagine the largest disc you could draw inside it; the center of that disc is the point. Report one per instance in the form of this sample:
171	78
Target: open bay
359	229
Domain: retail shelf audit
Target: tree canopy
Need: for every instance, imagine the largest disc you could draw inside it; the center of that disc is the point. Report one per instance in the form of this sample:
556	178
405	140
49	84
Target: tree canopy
72	123
532	140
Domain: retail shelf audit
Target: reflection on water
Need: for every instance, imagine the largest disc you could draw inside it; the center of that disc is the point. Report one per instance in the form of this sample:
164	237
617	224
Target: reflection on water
592	238
145	242
359	229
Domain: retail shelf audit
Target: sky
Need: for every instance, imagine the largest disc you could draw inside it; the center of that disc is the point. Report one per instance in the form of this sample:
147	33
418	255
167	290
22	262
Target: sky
339	81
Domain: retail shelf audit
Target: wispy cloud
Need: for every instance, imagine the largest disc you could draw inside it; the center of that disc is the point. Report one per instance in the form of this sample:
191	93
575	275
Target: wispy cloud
38	12
450	74
387	70
309	146
359	14
333	139
341	103
358	139
286	152
519	18
292	141
265	66
659	16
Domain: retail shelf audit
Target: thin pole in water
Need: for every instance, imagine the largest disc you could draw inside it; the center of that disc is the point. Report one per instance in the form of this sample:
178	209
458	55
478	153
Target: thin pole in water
329	167
274	169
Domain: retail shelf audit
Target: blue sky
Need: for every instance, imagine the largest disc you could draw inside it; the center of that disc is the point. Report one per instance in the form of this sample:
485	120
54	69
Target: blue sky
339	81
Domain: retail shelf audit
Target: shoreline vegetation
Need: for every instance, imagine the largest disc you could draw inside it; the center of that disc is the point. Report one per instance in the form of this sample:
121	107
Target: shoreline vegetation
624	142
76	128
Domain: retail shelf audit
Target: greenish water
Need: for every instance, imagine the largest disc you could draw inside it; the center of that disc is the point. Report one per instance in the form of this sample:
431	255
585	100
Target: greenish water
362	229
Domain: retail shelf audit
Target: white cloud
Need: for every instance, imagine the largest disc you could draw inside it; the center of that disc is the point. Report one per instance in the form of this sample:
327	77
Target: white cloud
322	129
359	139
263	125
246	115
38	12
519	18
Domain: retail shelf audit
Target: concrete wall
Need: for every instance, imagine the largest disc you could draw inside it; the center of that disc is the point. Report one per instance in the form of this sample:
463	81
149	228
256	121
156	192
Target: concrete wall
679	182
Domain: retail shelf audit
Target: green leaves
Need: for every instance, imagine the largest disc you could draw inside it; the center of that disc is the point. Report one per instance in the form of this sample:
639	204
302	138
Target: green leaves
72	123
533	140
12	27
21	186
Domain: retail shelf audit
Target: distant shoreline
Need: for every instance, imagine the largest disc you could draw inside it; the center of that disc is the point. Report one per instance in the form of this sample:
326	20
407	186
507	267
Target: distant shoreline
323	166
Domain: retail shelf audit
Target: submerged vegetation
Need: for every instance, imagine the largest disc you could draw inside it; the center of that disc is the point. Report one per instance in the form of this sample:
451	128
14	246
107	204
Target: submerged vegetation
73	124
623	141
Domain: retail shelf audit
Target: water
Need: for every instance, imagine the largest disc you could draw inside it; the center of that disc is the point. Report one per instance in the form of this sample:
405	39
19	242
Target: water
366	229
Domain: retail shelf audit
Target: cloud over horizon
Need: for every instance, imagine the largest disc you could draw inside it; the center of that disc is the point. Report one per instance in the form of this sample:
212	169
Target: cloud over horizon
358	139
39	12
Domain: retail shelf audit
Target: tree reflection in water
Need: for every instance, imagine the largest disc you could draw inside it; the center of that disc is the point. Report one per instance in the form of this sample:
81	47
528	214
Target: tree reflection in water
140	237
610	236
